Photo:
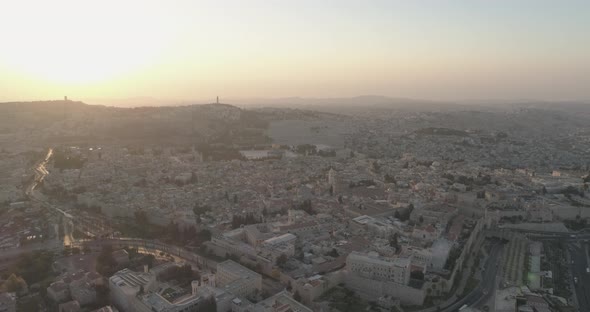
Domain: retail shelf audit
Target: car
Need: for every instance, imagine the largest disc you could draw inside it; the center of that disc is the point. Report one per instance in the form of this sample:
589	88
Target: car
587	270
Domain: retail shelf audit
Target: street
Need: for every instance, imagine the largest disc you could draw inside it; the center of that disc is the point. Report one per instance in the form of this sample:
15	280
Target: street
579	256
485	289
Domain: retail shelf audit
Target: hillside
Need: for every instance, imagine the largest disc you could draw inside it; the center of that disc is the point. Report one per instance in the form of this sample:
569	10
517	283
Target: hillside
63	122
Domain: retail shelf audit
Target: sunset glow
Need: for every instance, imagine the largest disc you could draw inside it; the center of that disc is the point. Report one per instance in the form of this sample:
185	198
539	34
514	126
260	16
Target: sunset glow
198	49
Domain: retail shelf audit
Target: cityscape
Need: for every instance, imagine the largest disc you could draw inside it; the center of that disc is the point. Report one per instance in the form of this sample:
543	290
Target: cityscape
271	184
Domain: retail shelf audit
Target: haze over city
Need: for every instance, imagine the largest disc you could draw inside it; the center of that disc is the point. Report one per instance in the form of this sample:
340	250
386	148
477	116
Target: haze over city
294	156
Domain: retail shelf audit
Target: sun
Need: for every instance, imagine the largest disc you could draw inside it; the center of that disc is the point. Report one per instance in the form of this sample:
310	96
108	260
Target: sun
79	65
79	42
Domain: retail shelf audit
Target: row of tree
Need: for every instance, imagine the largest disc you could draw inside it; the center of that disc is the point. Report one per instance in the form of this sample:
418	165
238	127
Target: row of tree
62	161
183	274
305	206
249	218
404	215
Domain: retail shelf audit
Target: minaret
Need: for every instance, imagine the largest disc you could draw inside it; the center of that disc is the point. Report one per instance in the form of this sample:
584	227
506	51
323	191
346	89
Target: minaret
195	287
218	99
332	180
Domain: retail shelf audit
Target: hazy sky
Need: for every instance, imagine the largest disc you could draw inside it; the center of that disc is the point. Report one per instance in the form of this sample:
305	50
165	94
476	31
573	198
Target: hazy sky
173	49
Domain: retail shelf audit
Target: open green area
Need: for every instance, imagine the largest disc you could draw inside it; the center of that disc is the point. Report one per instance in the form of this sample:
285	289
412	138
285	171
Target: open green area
343	299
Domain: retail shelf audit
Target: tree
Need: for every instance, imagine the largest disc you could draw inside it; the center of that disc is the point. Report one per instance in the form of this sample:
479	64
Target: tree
174	231
572	190
333	253
105	263
405	214
14	284
33	267
282	260
148	260
421	219
141	217
389	179
443	284
183	274
419	275
306	206
208	305
204	235
376	166
239	220
60	228
200	209
297	296
102	295
393	241
194	178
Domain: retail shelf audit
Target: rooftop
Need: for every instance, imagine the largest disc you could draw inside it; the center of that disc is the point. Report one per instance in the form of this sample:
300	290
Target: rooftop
238	269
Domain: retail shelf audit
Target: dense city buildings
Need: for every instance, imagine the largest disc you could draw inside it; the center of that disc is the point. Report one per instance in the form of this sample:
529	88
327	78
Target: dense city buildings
404	211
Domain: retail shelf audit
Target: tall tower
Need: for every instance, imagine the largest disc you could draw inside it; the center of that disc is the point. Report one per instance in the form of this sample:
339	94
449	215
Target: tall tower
195	287
217	99
332	179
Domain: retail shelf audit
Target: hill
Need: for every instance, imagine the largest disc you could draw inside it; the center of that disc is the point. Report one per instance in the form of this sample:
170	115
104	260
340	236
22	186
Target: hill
69	122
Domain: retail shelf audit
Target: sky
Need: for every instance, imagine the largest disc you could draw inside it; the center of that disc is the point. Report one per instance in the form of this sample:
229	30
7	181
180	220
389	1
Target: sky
195	50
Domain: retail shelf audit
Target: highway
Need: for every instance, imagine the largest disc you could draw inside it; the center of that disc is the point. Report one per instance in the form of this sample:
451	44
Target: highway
581	235
579	256
147	245
482	292
40	172
486	287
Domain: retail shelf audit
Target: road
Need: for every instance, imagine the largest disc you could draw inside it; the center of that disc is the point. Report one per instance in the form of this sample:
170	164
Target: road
486	287
579	256
40	172
148	245
483	291
583	234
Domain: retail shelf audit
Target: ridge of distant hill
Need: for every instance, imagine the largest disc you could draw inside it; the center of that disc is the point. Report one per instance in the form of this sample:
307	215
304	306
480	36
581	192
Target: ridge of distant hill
56	120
